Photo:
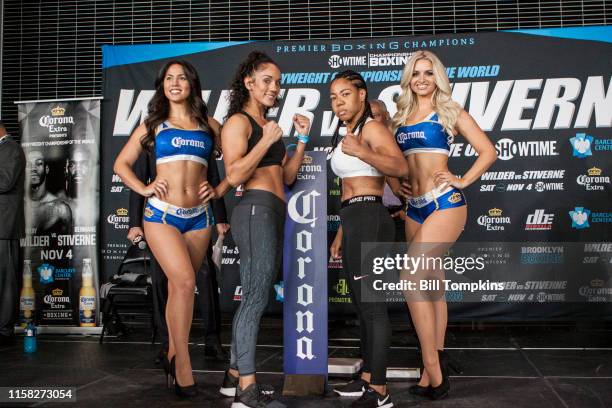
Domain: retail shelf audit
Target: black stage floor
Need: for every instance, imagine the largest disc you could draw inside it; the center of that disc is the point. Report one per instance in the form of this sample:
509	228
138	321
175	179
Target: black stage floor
543	365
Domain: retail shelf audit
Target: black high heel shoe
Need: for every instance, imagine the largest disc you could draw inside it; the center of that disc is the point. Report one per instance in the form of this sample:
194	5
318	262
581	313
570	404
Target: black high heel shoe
189	391
419	390
166	367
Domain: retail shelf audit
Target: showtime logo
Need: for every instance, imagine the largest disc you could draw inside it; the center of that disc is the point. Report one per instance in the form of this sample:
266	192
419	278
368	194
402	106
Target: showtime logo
336	61
539	221
507	149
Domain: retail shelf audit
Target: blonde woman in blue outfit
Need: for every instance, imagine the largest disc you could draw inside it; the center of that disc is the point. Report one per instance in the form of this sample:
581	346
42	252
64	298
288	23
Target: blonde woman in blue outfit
426	122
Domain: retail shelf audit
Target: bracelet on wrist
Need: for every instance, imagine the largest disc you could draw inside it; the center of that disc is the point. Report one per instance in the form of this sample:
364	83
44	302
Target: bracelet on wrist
302	138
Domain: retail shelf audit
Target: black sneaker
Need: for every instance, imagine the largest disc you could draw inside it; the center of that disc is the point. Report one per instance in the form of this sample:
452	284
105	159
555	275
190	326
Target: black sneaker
354	388
230	383
372	399
253	397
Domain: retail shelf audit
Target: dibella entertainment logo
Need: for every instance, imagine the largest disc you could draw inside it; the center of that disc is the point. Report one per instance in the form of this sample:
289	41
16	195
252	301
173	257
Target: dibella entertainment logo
539	221
580	217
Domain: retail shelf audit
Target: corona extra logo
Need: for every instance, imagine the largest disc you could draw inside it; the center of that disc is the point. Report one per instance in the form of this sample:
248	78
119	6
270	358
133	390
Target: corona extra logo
594	171
307	159
58	111
122	212
597	283
148	212
57	292
495	212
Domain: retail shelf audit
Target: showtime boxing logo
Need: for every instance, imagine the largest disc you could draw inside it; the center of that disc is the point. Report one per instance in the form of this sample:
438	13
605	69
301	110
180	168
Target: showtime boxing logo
388	59
307	217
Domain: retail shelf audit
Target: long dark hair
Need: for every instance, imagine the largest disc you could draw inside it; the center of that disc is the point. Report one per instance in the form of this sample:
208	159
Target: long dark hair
239	94
358	82
159	107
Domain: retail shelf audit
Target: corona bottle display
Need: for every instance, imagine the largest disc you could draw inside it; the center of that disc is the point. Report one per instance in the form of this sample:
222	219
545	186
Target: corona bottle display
87	297
27	302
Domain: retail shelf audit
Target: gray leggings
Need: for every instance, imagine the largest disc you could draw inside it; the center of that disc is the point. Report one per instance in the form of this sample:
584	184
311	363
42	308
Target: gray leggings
257	227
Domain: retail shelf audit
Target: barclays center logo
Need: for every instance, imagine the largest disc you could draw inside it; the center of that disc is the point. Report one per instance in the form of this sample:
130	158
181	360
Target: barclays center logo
580	217
581	143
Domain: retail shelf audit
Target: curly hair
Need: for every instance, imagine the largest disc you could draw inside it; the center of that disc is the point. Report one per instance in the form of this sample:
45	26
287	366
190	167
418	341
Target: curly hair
358	82
159	107
448	110
239	94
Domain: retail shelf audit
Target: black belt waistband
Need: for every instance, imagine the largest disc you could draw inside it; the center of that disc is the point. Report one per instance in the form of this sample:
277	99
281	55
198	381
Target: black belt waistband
362	199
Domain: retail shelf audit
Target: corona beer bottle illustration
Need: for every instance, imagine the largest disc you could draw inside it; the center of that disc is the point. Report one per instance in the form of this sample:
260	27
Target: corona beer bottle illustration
87	297
27	302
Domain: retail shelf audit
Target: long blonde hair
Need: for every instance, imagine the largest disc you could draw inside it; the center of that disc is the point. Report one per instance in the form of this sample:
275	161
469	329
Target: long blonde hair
407	103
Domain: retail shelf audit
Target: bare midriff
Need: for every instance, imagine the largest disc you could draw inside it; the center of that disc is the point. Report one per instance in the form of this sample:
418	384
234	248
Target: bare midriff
362	185
184	178
422	168
268	178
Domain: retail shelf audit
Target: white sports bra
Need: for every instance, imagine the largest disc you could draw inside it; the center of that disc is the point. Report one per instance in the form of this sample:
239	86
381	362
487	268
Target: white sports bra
345	165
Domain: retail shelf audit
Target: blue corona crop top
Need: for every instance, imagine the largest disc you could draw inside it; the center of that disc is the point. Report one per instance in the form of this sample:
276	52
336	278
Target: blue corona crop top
427	136
344	165
172	144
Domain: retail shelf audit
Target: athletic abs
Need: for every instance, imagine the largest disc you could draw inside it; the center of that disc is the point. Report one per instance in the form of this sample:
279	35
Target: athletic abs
269	178
422	167
184	179
360	186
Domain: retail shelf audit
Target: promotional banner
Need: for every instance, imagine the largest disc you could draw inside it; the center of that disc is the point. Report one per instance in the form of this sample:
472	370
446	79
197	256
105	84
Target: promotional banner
61	142
548	113
305	270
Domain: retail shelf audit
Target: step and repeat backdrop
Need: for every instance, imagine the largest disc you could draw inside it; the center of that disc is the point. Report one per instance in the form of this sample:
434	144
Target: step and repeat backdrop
544	97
